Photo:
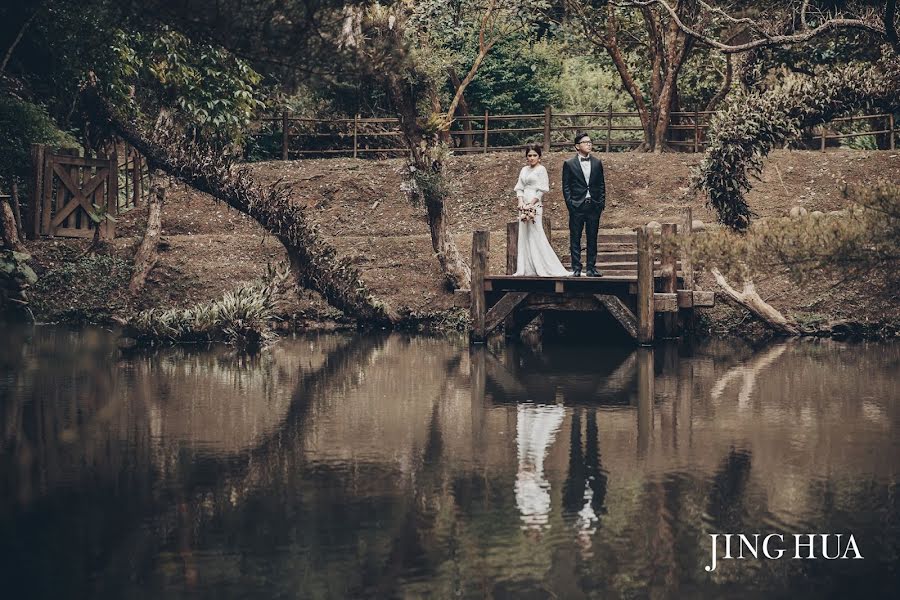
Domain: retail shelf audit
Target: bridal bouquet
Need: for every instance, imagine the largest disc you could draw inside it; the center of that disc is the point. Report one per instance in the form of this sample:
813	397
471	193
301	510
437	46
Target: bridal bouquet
527	214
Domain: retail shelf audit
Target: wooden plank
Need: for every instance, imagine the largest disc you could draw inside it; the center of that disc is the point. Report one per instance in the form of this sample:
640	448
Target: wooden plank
67	160
620	312
112	196
665	302
480	255
545	302
285	125
47	208
512	246
35	202
685	298
669	305
645	312
703	298
686	231
502	309
73	232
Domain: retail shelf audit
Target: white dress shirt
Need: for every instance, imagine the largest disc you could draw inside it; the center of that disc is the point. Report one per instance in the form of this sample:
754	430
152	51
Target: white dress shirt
586	169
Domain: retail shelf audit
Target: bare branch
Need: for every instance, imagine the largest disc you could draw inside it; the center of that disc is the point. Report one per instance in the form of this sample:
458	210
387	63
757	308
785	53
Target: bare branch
767	39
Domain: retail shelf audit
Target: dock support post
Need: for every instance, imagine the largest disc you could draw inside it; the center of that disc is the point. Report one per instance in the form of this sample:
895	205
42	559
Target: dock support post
645	312
480	253
646	395
669	265
512	246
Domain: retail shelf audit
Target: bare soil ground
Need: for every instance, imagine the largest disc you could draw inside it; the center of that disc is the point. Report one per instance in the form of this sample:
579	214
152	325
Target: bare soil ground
361	208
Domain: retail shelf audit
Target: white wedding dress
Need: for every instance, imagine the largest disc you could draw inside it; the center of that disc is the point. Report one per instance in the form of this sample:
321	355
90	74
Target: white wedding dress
535	255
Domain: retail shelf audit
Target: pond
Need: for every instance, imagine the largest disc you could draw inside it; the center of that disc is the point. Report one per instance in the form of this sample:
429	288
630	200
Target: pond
399	466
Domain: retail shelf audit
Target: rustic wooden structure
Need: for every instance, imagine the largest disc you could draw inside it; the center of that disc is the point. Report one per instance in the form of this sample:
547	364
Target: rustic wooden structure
611	130
642	277
68	188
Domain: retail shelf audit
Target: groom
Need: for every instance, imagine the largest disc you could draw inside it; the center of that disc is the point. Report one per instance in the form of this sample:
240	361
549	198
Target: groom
585	193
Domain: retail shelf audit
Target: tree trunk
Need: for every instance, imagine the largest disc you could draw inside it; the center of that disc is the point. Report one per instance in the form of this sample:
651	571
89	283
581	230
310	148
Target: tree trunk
456	271
750	299
422	150
147	253
468	139
314	262
17	213
8	230
9	52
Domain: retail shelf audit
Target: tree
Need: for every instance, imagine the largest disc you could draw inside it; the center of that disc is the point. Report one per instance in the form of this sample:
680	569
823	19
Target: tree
406	51
669	32
751	125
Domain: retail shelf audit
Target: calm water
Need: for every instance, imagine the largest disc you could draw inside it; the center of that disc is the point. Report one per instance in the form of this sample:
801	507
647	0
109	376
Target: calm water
340	466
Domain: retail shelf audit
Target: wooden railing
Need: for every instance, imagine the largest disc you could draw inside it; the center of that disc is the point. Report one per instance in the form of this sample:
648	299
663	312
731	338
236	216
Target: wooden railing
296	137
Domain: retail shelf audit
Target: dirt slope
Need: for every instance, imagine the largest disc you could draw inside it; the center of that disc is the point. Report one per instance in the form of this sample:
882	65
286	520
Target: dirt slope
361	207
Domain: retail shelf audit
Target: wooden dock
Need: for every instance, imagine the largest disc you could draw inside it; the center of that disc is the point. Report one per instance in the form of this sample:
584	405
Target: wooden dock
642	278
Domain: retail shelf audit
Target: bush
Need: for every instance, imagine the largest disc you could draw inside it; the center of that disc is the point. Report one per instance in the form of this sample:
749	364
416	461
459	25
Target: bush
21	125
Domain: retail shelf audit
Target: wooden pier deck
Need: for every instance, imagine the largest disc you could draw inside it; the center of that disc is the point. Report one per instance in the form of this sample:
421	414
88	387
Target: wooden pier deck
643	281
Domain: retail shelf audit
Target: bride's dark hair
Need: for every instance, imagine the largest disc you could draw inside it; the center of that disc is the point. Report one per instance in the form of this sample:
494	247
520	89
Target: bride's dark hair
536	147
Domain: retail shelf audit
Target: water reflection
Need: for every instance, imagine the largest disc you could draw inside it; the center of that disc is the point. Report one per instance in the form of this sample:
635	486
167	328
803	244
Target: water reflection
344	466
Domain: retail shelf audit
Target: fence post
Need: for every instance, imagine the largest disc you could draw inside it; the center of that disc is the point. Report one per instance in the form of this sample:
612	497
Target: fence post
485	144
823	137
891	127
284	135
138	177
696	129
355	128
112	198
547	116
608	126
33	225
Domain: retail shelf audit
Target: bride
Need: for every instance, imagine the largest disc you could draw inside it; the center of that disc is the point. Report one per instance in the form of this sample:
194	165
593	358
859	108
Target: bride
535	255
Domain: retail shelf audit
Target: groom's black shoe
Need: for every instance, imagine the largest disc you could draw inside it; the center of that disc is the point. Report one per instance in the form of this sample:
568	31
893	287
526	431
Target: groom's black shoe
594	273
576	273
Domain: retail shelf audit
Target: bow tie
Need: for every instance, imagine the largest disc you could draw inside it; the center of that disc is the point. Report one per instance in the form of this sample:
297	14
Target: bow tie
588	159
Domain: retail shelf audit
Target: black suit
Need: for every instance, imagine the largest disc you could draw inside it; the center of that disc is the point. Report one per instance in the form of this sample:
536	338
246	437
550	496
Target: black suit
584	212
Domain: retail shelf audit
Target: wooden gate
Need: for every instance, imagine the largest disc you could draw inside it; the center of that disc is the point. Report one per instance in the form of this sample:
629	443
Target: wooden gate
70	189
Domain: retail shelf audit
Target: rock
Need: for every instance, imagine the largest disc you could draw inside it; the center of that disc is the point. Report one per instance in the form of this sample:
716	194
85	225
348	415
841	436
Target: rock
698	225
816	214
797	212
654	225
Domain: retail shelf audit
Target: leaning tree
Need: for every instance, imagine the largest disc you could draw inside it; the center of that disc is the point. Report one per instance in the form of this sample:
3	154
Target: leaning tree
751	125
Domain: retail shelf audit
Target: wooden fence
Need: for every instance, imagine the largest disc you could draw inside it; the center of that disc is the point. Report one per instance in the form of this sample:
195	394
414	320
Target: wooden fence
66	187
296	137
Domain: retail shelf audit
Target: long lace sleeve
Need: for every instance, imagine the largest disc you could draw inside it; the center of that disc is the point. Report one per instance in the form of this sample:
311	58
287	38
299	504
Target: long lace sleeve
520	185
543	183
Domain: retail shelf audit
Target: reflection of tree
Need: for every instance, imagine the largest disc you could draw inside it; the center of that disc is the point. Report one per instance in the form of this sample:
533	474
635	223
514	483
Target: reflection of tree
726	497
749	372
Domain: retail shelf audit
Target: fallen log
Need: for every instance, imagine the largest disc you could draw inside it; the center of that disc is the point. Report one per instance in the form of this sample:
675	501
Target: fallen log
750	299
314	263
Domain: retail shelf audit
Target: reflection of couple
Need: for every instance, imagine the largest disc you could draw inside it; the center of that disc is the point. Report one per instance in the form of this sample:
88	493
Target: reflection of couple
584	191
584	491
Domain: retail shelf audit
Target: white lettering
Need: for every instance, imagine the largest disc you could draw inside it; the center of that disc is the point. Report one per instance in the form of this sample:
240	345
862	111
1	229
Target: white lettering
745	543
837	554
810	544
712	566
766	546
852	542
